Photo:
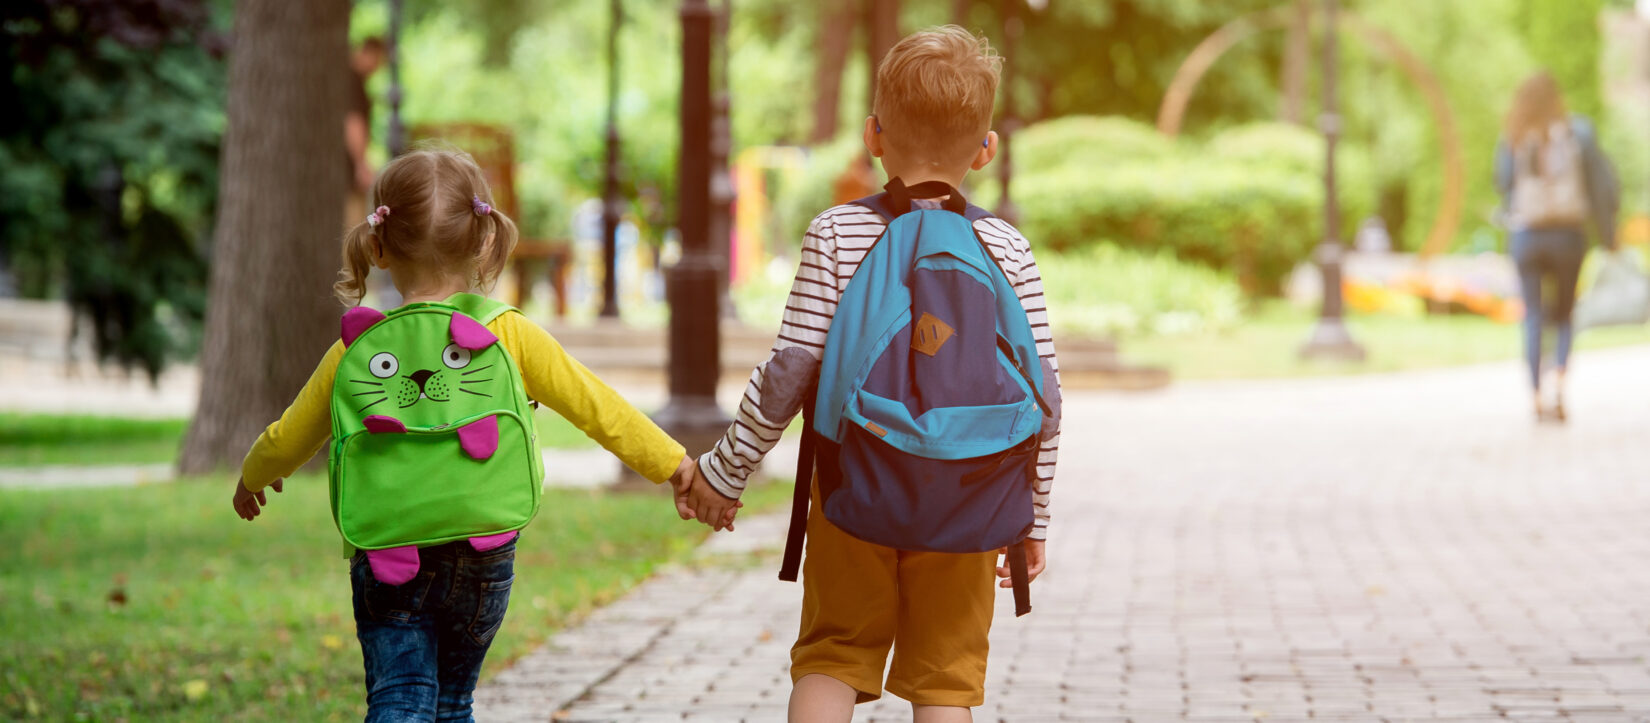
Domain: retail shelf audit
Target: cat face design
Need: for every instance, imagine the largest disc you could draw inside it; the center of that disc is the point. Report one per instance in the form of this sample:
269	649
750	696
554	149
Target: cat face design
400	371
424	383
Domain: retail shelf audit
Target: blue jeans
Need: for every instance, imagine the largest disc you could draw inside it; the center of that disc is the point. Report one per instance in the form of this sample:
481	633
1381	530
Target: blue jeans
422	642
1551	254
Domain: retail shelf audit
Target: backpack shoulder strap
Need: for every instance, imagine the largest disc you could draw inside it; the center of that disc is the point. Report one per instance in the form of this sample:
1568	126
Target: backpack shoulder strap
479	307
878	203
792	561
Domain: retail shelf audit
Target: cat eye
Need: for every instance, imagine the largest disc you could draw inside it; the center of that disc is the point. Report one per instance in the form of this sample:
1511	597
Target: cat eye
455	356
383	365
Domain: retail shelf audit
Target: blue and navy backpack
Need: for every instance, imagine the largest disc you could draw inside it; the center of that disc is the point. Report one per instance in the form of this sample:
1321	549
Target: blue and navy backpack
925	424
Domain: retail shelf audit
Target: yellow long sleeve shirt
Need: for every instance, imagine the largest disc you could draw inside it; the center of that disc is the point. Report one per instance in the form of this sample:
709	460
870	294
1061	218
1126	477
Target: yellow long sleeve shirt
551	376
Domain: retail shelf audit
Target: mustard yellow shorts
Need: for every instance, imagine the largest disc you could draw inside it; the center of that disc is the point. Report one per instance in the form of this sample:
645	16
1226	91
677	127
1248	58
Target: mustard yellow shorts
859	599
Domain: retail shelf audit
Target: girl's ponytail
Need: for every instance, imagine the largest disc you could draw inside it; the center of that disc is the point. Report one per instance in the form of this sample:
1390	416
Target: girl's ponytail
352	277
498	240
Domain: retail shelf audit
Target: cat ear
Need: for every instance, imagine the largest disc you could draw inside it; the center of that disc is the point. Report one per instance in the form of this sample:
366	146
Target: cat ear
469	333
357	320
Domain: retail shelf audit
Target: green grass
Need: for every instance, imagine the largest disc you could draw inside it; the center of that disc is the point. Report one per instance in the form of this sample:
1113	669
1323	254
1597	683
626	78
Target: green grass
157	603
1268	342
555	432
45	439
37	439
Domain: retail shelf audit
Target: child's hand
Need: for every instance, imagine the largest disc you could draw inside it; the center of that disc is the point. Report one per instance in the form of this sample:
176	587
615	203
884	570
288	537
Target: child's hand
710	507
249	504
1035	562
686	473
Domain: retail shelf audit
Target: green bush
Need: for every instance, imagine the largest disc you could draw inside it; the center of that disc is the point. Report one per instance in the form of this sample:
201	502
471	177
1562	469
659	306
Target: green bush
1284	147
1249	200
1091	141
1107	290
1256	223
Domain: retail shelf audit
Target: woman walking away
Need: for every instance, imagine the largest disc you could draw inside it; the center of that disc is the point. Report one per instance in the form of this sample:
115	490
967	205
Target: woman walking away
1554	180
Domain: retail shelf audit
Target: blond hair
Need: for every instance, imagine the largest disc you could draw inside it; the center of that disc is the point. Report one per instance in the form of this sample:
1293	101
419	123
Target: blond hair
934	94
436	220
1536	108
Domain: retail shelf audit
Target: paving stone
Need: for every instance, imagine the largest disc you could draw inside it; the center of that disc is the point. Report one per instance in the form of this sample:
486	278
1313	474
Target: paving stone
1405	547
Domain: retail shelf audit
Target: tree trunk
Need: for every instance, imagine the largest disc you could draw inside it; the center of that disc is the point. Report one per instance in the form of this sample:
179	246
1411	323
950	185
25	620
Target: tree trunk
270	313
882	31
1296	56
836	35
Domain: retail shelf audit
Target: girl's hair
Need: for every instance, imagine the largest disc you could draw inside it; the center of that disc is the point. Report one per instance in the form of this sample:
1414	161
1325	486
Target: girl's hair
439	217
1535	109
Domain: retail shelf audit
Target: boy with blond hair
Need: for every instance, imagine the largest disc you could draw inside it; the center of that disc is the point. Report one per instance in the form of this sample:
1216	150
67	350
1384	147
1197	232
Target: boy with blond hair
932	122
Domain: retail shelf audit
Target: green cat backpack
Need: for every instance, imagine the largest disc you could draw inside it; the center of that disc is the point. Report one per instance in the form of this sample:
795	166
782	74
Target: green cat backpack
433	434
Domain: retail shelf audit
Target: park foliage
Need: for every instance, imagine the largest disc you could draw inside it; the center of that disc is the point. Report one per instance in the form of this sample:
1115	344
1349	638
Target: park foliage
110	154
110	178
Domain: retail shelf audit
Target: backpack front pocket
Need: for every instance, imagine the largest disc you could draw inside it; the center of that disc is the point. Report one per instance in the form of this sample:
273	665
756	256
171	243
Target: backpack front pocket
892	498
421	487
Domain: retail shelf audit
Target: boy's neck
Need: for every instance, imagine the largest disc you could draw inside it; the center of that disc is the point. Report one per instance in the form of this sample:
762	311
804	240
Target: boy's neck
912	174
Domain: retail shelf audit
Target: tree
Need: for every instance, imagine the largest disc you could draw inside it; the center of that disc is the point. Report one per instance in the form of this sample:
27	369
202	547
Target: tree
836	33
1564	38
110	158
1297	57
882	31
270	314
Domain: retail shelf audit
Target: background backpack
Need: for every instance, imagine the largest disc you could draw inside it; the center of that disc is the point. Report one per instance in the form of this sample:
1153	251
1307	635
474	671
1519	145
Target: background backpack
1549	182
926	418
433	434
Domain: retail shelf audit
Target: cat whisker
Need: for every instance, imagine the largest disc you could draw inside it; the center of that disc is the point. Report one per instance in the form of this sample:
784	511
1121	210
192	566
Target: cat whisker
474	381
479	394
369	391
363	381
381	401
477	369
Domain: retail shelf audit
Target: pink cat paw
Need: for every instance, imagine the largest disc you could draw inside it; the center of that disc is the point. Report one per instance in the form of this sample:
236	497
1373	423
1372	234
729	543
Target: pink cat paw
480	438
395	565
488	542
381	424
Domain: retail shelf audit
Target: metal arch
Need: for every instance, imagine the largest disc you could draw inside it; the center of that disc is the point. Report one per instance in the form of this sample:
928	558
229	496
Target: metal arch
1447	217
1203	57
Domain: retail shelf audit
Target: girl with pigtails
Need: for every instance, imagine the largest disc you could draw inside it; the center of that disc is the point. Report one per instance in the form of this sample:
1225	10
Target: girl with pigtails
434	462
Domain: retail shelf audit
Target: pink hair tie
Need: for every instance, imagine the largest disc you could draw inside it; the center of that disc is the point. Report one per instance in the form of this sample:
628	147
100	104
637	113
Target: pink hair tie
479	206
377	216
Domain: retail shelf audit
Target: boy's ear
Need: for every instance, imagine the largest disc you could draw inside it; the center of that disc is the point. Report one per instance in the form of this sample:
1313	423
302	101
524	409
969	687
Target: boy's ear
987	152
873	140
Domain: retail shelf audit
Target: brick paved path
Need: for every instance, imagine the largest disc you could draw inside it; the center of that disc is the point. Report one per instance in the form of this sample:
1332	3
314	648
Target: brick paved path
1381	548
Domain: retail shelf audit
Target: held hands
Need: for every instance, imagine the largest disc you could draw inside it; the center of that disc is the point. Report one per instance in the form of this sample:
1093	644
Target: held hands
1035	562
695	499
249	504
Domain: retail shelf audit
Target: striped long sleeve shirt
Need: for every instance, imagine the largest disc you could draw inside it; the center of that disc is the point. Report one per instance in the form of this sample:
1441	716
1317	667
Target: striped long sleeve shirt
832	249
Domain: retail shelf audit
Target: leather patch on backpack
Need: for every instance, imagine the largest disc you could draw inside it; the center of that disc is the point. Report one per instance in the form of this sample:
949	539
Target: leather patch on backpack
875	429
929	334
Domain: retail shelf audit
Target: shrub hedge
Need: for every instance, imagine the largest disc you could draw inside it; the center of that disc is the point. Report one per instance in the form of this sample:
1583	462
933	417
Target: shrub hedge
1248	200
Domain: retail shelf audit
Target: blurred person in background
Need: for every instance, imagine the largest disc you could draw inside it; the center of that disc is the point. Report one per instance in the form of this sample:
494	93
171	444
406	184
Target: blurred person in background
1554	181
365	61
358	124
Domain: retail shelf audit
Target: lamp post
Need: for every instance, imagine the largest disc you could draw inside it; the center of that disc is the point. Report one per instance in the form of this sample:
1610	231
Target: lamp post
610	177
691	415
397	141
1330	339
721	145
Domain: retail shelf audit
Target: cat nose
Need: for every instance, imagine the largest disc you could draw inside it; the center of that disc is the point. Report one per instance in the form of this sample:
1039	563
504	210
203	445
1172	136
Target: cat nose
420	376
